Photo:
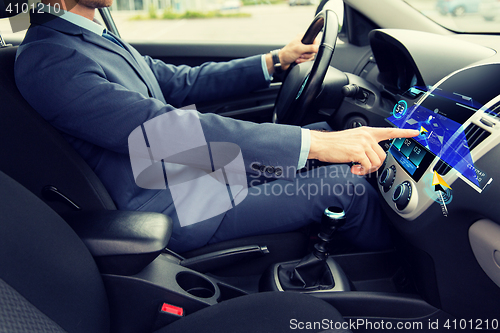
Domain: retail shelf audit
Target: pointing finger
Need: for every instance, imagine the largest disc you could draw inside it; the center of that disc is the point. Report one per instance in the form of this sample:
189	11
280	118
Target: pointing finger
381	134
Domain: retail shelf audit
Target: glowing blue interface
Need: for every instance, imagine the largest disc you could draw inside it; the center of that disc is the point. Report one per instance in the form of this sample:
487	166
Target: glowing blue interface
439	119
408	153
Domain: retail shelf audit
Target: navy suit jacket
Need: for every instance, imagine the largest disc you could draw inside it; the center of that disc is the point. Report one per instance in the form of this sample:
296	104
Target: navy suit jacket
96	93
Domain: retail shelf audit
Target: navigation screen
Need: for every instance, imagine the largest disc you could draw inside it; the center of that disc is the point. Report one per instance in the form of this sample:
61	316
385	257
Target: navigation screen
439	120
411	156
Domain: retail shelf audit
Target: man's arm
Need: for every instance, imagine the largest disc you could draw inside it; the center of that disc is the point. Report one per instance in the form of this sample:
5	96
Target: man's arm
359	145
183	85
80	101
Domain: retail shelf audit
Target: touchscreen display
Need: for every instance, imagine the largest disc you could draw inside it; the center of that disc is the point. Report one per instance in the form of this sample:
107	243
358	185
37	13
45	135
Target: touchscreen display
412	156
438	118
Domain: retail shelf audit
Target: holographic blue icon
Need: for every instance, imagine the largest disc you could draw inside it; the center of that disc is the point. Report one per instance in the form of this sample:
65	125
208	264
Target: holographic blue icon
400	109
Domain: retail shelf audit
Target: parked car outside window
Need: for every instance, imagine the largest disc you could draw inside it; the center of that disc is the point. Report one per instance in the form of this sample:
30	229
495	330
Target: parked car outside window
457	7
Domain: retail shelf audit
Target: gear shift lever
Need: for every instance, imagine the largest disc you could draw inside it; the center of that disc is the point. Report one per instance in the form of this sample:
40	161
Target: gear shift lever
312	272
333	218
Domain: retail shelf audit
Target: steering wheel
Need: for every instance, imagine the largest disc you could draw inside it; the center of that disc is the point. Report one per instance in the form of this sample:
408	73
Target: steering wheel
303	82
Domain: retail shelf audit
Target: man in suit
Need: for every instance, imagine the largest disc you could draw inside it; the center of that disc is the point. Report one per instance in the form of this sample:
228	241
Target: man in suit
96	89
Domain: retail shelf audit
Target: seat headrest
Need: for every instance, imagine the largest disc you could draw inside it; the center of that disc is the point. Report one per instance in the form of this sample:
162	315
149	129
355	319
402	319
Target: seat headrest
2	10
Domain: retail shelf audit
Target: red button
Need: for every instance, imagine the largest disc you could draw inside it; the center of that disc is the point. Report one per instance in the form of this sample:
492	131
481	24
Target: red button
175	310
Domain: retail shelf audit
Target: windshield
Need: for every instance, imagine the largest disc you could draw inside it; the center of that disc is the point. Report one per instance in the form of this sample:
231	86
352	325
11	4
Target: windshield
462	15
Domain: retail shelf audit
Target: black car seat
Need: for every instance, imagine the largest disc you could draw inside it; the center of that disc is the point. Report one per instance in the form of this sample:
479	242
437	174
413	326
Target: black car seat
50	283
37	156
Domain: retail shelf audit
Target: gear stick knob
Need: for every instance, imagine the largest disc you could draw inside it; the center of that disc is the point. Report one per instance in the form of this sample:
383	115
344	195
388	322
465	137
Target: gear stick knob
333	218
313	272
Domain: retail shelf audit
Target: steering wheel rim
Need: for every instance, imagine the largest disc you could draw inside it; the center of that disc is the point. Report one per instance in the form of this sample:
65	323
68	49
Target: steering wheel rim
303	82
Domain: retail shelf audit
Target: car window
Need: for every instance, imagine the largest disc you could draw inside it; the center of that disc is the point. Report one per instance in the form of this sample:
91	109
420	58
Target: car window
234	21
461	15
8	35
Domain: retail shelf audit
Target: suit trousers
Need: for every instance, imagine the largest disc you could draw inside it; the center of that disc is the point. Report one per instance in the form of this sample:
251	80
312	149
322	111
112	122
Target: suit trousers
276	206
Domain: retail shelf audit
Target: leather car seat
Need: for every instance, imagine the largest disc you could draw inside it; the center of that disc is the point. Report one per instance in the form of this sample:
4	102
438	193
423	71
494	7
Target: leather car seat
49	282
36	155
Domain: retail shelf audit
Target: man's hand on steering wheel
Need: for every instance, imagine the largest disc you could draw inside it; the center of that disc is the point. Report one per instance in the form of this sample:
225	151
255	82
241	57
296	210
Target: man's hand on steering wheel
303	82
295	51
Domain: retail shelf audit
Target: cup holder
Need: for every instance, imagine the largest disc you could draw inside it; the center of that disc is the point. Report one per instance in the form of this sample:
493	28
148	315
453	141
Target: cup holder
195	285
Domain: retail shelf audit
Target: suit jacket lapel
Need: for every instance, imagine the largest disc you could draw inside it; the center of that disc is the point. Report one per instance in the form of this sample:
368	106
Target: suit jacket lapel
72	29
126	53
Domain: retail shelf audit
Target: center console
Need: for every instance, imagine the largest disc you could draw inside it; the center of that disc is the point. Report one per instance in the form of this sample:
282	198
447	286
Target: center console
164	282
149	287
458	124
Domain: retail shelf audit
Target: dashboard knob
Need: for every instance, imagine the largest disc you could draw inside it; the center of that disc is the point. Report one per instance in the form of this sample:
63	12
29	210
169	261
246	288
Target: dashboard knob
402	195
350	90
387	177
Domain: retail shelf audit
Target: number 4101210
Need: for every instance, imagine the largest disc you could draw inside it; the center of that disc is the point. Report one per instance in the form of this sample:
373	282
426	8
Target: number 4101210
471	324
25	8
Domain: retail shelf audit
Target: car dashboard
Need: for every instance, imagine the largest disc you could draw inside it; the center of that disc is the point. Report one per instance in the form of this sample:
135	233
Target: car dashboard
445	88
458	124
438	187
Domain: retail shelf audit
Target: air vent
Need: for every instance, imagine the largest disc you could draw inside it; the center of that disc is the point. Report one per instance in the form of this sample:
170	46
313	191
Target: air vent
474	135
494	110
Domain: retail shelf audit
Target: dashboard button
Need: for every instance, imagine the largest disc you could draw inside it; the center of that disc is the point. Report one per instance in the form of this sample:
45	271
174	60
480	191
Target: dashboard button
487	122
402	195
387	177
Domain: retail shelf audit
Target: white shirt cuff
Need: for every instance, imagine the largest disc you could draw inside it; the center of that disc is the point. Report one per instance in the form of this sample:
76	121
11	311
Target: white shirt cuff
264	69
304	148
